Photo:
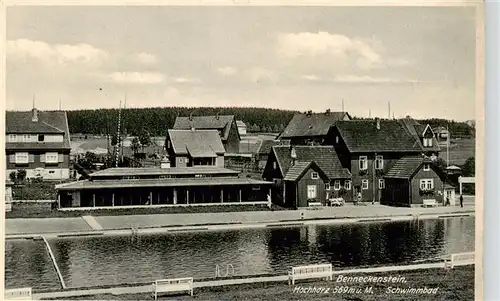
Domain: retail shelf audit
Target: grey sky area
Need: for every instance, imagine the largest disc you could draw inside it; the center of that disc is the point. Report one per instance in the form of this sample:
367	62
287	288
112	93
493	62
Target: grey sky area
420	59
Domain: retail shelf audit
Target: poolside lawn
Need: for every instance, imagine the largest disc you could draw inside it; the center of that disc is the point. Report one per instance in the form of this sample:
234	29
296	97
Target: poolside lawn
457	284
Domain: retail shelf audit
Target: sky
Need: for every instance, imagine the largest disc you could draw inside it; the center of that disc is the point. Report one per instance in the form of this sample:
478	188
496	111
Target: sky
421	60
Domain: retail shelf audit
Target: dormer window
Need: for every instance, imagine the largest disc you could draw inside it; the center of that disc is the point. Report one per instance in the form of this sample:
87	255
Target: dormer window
427	142
427	167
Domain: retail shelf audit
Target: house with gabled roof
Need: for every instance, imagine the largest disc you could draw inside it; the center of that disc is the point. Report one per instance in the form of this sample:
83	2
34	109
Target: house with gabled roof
416	181
38	142
188	148
311	128
305	175
225	125
369	148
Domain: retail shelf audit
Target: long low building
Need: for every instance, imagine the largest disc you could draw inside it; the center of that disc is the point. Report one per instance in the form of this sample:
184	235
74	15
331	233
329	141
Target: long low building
117	187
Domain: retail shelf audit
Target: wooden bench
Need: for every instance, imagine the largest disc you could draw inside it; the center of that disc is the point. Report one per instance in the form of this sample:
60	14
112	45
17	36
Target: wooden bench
18	294
459	259
309	272
173	285
429	203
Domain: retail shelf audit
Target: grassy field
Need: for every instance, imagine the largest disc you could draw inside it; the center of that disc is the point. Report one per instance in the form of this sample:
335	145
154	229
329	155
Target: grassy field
457	284
460	150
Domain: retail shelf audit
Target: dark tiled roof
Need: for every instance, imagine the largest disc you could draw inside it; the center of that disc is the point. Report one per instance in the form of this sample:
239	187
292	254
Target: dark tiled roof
35	146
193	182
49	122
417	131
324	156
363	136
121	171
405	167
316	124
296	170
220	122
204	143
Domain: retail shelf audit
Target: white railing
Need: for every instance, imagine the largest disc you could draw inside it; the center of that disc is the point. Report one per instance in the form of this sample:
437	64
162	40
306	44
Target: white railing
18	294
162	205
173	285
459	259
310	271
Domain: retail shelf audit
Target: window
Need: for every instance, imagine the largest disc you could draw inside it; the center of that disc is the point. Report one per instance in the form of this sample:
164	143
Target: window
41	138
364	184
314	175
51	158
347	184
27	138
336	185
363	163
168	144
427	167
51	171
22	158
311	191
180	160
337	139
426	184
327	186
12	138
274	165
381	183
379	162
427	142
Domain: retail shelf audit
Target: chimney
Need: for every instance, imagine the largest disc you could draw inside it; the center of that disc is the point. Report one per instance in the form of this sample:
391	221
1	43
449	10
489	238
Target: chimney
327	113
378	123
293	155
34	118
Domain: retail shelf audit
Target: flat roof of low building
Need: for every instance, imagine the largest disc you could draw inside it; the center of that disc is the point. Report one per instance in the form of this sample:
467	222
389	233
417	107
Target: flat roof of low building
109	184
155	171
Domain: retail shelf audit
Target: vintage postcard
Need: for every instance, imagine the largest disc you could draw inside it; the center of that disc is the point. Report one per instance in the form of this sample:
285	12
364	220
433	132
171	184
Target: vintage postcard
237	151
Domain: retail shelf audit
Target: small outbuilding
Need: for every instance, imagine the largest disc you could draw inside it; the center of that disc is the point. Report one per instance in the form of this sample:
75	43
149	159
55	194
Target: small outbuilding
416	181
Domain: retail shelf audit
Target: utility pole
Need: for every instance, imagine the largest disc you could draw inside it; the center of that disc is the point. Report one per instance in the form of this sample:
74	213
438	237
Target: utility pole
448	147
343	106
389	107
118	136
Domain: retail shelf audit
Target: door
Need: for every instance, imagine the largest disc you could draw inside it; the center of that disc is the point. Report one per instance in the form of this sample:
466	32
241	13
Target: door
357	191
450	195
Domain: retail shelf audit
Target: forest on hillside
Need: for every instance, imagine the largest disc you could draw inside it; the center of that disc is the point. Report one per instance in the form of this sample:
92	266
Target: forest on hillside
156	121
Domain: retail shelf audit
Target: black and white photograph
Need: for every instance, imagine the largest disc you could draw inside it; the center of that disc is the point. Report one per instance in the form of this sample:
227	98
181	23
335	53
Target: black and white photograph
235	151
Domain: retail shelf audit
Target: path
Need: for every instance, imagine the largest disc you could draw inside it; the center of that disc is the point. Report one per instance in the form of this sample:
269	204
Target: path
124	222
211	283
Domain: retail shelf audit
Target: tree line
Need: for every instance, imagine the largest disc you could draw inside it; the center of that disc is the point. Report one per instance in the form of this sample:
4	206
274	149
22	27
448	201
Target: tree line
156	121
